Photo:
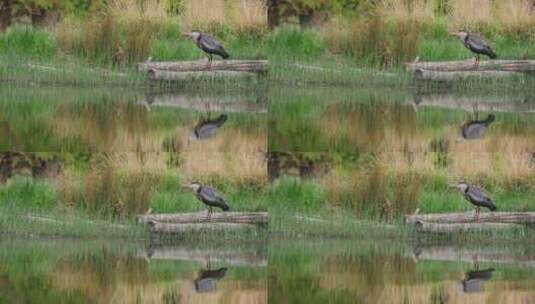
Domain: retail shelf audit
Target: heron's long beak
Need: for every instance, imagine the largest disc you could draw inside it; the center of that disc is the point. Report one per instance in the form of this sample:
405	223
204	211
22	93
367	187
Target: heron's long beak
186	34
454	34
185	186
452	186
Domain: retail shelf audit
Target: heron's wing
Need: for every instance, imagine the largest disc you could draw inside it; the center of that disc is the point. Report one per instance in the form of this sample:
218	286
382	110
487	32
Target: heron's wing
210	194
210	42
477	194
206	130
477	42
473	130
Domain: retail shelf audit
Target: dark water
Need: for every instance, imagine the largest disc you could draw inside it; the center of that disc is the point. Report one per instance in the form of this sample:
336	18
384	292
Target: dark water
275	119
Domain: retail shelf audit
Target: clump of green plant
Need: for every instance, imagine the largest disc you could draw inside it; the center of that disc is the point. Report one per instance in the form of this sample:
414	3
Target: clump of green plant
24	193
109	191
384	43
294	194
22	40
139	32
294	42
100	38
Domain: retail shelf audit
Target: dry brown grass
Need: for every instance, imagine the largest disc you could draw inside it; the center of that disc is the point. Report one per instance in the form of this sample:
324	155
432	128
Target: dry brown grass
247	16
100	35
336	35
422	10
517	18
470	14
384	43
366	189
242	15
235	167
68	34
202	14
129	9
139	34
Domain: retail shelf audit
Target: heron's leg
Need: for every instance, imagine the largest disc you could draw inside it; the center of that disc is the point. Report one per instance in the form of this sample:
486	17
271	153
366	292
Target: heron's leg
476	262
477	61
209	212
477	213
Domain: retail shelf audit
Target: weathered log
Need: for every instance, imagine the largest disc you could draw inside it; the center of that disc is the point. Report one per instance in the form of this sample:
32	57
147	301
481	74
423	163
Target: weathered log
469	255
468	65
468	217
179	228
254	66
201	103
201	217
229	257
422	74
422	226
154	74
477	103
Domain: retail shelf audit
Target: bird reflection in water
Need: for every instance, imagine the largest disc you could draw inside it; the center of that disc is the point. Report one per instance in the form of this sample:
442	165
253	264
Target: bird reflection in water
476	129
207	280
474	279
207	128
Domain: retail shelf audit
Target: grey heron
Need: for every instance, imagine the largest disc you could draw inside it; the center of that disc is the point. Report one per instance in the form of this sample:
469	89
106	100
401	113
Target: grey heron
207	128
476	45
208	44
476	129
207	279
476	197
208	196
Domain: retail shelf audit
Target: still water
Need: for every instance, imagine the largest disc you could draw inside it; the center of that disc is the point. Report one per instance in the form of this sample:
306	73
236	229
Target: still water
328	271
407	128
90	271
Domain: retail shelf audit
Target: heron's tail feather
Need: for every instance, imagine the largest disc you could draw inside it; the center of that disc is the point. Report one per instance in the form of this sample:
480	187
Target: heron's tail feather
224	54
492	207
491	54
225	208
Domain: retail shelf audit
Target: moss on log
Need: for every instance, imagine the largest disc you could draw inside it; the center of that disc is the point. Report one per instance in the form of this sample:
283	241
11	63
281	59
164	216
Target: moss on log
468	217
201	217
524	66
252	66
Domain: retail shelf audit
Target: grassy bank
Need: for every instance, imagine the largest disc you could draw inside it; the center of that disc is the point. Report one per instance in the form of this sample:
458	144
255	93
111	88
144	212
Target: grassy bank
104	46
111	158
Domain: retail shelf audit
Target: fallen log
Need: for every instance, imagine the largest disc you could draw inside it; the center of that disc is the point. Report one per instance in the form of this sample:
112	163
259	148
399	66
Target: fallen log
179	228
229	257
461	227
200	103
253	66
422	74
468	217
154	75
476	103
525	66
201	217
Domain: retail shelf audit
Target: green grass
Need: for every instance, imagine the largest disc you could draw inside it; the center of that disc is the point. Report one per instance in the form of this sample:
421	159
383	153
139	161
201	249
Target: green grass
287	48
